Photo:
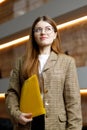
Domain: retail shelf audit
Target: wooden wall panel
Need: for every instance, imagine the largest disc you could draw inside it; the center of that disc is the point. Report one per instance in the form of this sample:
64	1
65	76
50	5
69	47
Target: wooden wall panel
8	58
11	9
74	40
84	108
6	11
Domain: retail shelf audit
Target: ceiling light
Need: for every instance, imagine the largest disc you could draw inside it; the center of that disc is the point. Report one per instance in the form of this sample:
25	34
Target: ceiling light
83	91
2	95
14	42
72	22
1	1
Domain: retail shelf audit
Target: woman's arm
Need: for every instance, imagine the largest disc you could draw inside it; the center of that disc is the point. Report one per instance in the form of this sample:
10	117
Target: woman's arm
72	98
13	93
13	97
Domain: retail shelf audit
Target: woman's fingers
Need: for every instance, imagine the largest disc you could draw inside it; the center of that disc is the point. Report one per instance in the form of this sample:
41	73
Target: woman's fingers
25	118
27	115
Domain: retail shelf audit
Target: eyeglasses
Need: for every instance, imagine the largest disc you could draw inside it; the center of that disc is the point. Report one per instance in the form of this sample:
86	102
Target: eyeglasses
47	30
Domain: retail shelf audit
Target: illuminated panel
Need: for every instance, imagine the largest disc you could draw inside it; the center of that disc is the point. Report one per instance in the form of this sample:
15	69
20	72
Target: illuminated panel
73	22
14	42
83	91
2	95
1	1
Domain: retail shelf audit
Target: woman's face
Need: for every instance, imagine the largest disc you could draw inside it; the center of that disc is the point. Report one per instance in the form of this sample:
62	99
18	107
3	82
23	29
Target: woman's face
44	34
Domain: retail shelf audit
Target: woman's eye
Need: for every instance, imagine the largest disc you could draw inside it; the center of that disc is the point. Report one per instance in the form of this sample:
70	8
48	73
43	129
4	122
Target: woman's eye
48	29
38	30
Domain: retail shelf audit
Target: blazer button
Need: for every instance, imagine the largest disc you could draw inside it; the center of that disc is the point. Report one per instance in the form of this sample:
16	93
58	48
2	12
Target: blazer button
45	91
46	103
46	116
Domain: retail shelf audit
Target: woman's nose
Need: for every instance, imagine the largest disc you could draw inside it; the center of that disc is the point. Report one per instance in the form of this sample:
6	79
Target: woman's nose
43	31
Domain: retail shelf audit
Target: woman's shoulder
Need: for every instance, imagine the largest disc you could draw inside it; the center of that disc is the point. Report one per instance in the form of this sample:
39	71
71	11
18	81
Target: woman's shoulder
66	58
19	61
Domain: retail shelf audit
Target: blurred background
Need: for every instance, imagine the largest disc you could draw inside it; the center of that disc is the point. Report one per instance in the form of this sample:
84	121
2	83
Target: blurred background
16	18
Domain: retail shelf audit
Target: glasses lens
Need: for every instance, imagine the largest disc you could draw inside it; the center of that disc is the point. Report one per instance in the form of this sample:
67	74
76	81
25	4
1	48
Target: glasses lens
48	29
39	30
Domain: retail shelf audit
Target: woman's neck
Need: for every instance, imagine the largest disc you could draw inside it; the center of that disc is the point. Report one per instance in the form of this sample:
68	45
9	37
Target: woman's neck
45	50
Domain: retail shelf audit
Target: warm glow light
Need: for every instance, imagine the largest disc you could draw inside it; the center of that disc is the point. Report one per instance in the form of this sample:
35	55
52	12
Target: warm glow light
2	95
83	90
1	1
72	22
26	38
14	42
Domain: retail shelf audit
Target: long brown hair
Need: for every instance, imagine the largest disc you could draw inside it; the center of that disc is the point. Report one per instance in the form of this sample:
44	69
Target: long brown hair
30	66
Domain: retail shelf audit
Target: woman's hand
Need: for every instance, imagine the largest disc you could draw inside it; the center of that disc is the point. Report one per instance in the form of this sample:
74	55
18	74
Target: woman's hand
24	118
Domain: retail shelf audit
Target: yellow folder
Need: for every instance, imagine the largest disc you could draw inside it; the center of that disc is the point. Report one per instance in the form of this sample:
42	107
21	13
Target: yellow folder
31	101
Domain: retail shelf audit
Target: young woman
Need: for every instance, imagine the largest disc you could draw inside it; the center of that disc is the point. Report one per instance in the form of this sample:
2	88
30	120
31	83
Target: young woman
58	81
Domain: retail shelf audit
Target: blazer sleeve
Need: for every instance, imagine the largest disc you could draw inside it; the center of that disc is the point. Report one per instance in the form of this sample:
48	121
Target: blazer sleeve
72	98
13	93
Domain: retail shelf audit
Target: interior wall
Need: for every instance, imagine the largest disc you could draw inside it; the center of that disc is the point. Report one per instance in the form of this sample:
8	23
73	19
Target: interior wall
53	8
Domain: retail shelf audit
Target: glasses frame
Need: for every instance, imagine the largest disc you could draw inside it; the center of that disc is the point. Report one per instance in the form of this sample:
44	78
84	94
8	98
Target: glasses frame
47	30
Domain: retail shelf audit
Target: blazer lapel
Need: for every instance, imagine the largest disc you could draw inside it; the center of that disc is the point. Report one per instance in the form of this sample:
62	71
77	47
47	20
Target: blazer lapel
51	60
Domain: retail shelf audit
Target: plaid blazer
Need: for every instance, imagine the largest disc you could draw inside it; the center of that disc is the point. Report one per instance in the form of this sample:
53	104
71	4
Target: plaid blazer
61	94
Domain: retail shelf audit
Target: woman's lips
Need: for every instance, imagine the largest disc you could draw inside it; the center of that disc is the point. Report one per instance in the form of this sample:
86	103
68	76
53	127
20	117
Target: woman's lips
43	38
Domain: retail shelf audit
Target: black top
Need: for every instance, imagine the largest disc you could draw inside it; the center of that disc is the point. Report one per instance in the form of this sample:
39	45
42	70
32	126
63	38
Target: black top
38	123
